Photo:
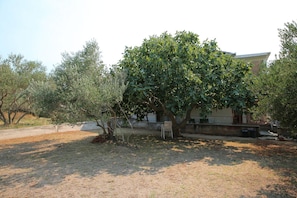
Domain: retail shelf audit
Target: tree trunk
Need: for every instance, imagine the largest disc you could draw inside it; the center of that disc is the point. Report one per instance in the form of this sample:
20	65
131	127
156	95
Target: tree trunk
3	118
21	117
178	127
110	130
9	117
101	126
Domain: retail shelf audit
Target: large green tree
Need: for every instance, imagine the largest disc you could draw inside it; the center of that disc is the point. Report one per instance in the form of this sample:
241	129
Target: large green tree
16	73
81	88
175	74
276	85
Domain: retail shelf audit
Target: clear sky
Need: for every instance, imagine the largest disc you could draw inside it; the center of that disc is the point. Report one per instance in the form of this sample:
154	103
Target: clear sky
43	29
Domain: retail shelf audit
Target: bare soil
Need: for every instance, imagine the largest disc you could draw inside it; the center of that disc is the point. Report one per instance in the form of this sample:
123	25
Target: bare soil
68	165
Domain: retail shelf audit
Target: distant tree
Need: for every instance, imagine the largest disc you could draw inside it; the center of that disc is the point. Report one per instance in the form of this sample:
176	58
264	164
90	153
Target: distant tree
43	97
276	85
82	88
175	74
16	73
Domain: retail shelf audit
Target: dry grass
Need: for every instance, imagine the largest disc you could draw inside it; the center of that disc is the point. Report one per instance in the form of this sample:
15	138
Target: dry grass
28	121
68	165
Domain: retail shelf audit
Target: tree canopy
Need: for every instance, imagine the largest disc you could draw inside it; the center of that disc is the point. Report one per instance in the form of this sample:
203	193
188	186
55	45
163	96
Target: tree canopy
174	74
81	88
276	85
16	73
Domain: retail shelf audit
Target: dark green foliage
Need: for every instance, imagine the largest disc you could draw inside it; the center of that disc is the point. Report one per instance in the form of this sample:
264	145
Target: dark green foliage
277	86
174	74
81	88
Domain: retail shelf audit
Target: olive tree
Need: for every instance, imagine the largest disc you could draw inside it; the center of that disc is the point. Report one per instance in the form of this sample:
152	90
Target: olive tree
81	88
16	73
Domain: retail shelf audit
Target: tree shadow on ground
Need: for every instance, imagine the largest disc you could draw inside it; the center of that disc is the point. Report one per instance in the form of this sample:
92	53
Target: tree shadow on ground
281	157
50	162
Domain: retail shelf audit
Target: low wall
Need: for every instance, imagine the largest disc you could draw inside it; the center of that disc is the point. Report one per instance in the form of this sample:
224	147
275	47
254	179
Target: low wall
223	129
238	130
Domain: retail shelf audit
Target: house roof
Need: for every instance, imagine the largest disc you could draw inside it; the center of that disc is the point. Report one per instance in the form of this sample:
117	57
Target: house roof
255	59
263	55
230	53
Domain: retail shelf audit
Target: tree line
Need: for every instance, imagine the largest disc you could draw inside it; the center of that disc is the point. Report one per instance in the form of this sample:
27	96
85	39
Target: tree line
171	74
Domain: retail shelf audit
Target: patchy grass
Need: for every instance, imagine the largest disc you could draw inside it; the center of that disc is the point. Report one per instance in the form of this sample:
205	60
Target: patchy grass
68	165
28	121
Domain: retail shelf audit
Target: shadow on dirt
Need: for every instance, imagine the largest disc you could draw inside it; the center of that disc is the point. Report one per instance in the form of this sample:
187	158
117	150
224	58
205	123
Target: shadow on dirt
49	162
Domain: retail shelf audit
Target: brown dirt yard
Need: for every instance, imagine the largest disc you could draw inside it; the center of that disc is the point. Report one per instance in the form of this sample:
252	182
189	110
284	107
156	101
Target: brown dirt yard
68	165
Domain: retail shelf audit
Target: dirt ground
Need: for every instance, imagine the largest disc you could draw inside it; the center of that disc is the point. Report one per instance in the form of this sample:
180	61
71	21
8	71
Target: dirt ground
68	165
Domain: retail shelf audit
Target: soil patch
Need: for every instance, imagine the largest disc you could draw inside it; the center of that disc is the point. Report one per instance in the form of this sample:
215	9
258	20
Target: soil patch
68	165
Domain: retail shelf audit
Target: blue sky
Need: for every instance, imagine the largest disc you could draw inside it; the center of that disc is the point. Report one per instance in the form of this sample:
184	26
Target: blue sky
43	29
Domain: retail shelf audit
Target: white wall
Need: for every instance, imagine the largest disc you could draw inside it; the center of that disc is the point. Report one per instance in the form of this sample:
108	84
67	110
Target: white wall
152	117
221	116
